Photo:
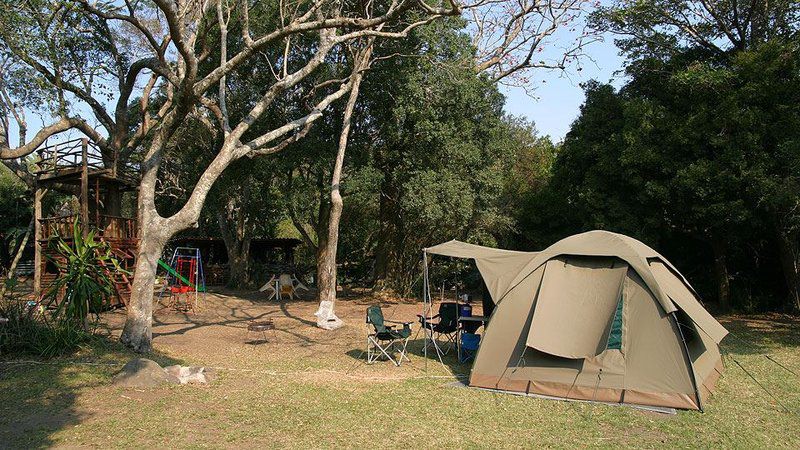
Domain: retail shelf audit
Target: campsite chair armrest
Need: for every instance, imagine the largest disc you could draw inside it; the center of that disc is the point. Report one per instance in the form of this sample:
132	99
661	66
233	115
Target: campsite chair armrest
388	327
423	318
397	321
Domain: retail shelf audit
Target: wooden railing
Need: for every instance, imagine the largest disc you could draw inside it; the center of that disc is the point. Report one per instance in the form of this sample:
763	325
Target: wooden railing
111	227
57	226
118	227
67	156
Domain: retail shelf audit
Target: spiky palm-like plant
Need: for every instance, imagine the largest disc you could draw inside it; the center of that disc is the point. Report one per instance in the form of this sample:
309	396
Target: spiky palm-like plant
84	284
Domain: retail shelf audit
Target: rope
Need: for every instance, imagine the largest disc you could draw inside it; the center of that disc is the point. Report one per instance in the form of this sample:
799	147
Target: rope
766	355
263	372
749	344
781	365
596	385
574	380
761	385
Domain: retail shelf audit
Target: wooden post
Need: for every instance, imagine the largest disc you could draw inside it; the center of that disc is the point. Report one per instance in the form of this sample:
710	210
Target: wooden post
85	186
97	203
54	161
37	244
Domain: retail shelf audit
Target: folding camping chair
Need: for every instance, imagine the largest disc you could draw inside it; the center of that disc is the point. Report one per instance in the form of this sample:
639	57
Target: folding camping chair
384	339
446	327
273	286
299	284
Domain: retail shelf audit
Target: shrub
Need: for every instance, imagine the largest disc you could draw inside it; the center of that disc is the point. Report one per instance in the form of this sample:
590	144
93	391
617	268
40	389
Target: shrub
60	323
84	284
28	331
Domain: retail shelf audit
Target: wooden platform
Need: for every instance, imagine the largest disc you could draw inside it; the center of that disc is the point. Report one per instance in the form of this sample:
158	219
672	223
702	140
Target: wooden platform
80	167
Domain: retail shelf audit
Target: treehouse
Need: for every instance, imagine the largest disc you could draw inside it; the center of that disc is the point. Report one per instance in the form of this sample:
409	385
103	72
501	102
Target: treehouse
78	167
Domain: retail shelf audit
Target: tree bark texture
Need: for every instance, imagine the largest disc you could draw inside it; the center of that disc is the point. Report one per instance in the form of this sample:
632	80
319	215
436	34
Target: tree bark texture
721	273
326	315
790	264
137	333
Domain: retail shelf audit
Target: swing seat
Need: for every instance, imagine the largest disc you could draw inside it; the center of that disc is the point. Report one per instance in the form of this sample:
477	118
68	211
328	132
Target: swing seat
181	289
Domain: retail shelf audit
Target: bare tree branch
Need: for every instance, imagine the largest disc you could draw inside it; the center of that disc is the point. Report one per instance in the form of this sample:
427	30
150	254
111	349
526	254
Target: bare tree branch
62	125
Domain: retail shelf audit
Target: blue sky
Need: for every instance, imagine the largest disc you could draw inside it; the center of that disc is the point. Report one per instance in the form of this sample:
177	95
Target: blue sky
551	99
557	98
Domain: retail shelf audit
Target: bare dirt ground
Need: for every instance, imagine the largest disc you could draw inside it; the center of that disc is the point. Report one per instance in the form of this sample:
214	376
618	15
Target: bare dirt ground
216	333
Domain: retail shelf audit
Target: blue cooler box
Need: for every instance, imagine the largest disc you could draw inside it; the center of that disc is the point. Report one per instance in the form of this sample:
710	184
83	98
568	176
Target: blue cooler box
470	341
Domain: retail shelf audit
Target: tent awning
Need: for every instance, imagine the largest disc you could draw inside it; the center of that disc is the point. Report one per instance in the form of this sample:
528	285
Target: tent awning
458	249
498	267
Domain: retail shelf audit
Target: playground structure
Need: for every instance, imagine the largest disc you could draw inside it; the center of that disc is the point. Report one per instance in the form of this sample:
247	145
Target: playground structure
185	279
80	168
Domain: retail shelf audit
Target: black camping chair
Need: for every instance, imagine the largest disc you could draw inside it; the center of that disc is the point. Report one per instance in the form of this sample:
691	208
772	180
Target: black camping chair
384	339
446	327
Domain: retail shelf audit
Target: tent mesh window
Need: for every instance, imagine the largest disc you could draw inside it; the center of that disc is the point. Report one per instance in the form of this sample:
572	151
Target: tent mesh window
615	336
687	326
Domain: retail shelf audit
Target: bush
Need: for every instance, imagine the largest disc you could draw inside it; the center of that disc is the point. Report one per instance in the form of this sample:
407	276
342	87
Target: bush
28	331
84	283
60	324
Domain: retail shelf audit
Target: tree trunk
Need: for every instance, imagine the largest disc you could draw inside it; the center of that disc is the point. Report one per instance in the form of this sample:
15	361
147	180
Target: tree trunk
381	247
239	264
387	215
326	284
38	195
721	273
321	247
137	333
326	265
237	243
153	234
790	264
17	256
112	202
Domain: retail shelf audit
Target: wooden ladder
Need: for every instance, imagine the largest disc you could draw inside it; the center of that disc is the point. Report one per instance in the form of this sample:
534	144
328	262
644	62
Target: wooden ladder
123	284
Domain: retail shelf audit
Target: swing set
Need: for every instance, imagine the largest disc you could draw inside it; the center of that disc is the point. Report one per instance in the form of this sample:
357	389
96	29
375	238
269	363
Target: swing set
185	279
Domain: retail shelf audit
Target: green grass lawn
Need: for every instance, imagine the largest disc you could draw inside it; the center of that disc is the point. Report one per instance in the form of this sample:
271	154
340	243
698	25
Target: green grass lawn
322	397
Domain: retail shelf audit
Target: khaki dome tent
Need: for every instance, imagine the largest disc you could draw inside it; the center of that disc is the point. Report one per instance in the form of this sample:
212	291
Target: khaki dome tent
596	316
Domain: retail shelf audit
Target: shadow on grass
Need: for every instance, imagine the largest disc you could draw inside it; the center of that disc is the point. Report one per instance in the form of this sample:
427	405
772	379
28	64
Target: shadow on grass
39	397
416	351
757	334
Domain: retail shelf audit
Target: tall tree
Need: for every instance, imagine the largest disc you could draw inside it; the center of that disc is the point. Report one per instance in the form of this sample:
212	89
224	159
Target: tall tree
699	48
178	38
691	148
437	145
505	38
662	28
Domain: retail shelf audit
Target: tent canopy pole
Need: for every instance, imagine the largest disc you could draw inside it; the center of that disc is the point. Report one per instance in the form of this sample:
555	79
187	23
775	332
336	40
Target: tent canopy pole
425	307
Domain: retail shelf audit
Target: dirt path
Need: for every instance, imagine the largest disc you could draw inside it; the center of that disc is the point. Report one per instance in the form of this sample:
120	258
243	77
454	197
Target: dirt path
216	335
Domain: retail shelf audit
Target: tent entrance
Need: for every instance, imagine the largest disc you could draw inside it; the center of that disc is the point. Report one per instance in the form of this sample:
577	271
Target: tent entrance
578	297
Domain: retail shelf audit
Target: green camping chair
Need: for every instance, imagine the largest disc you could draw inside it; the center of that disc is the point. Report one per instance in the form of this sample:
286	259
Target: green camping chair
384	339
